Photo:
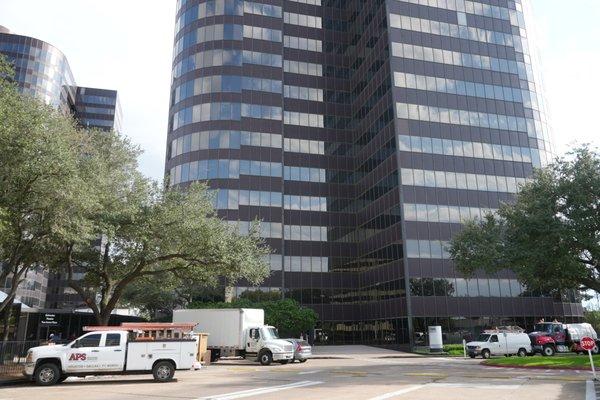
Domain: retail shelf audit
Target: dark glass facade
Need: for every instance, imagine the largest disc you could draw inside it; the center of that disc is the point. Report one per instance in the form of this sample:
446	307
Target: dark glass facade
362	133
42	71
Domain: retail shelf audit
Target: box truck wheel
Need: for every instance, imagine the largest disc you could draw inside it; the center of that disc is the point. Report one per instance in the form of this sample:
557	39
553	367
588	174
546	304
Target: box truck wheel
486	354
163	371
47	374
265	357
548	351
522	352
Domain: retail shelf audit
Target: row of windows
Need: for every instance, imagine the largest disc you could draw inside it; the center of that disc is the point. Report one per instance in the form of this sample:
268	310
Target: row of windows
206	140
304	203
303	119
451	30
470	7
208	33
460	287
311	2
305	233
306	264
256	57
443	213
222	169
232	199
218	57
304	174
206	59
271	230
309	21
466	118
303	93
257	32
304	68
450	57
426	249
301	43
224	111
97	110
460	148
462	88
267	10
225	83
94	99
459	180
209	8
304	146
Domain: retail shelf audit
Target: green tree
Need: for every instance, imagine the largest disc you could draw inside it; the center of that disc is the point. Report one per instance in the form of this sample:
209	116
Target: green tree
39	184
549	236
288	316
593	317
147	231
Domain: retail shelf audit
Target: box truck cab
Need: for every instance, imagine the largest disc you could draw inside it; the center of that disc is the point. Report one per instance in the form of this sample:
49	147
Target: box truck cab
494	343
238	332
109	353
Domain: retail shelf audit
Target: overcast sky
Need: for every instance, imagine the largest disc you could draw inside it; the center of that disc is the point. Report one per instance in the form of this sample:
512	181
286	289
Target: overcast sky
127	45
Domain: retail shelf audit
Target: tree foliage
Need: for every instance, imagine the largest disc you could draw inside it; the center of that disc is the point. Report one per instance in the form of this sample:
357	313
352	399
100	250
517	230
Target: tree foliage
289	317
549	236
73	200
148	231
39	184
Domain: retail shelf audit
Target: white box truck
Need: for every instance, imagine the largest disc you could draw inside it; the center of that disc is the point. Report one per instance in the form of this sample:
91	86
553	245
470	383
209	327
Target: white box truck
238	332
109	353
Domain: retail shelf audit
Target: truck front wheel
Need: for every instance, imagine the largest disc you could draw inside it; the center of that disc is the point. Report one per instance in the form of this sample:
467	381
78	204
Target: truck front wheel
548	351
47	374
163	371
265	357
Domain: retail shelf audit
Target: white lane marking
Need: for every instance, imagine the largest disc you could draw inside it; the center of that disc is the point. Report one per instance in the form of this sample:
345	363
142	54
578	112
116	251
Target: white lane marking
446	385
258	391
475	386
398	392
310	372
590	391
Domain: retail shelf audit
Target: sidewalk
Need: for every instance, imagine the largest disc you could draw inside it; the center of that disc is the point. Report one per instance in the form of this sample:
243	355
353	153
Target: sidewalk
10	374
358	351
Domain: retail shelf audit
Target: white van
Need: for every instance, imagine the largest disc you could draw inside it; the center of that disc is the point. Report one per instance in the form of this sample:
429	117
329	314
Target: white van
494	343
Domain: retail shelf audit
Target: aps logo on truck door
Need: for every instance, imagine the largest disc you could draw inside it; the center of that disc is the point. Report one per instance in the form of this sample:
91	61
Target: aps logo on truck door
78	357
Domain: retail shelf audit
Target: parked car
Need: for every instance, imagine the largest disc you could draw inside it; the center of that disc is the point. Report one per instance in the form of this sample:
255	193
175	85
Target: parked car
302	350
494	343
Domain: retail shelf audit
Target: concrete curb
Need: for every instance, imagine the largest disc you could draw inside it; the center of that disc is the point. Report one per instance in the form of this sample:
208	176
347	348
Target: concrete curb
536	367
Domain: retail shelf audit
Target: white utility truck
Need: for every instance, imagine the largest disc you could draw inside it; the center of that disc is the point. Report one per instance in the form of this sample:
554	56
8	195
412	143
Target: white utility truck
110	352
238	332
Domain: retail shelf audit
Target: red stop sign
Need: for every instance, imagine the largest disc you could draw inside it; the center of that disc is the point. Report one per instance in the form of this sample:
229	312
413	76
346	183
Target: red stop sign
587	343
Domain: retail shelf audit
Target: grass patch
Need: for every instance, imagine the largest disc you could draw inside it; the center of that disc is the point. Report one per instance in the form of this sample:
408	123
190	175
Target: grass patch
558	361
454	349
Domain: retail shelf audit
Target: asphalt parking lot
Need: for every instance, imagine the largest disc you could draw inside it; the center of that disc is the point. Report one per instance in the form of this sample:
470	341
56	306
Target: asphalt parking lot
362	375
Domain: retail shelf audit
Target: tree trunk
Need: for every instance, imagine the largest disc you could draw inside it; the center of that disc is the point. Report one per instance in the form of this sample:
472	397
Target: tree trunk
228	294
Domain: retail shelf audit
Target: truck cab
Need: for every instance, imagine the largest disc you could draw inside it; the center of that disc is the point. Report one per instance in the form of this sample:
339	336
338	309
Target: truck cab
263	343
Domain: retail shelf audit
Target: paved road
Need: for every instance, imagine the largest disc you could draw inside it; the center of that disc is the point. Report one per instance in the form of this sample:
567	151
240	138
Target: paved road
361	377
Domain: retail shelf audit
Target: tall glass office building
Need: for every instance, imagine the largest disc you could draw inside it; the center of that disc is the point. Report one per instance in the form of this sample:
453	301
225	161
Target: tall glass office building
362	133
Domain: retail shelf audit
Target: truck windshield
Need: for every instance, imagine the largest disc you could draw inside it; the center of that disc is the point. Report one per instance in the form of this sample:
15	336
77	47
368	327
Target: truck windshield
270	333
483	337
542	328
